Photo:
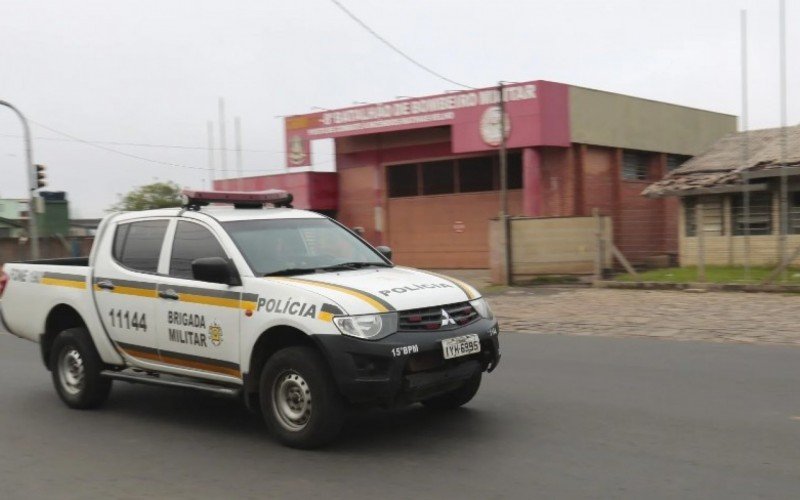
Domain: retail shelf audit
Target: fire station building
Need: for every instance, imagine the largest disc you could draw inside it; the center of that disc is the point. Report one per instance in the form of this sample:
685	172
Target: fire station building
421	175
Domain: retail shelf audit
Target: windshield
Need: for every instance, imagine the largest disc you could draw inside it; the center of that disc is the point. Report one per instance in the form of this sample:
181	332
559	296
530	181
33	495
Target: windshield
298	246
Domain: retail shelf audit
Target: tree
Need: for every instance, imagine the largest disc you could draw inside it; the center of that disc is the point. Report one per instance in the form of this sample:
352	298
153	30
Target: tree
150	196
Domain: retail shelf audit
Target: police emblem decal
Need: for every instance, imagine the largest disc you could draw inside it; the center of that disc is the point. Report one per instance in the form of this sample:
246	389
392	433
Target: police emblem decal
215	333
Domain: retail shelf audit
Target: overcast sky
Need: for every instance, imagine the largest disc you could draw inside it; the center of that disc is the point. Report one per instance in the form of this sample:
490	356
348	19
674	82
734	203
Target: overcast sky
151	71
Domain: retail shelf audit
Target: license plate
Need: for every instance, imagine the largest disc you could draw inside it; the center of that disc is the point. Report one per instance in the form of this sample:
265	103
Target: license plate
461	346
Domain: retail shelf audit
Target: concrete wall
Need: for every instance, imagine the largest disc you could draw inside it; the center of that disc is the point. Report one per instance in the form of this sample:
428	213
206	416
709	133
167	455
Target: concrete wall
551	245
609	119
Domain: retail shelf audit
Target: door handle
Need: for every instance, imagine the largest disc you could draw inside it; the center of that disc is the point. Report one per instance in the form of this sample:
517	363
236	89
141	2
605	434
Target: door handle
169	294
105	285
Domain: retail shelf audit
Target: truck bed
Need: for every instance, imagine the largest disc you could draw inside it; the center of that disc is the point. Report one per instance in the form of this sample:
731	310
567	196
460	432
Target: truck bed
35	288
63	261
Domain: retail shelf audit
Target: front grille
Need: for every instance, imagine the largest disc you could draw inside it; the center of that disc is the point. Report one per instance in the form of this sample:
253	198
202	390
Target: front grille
432	318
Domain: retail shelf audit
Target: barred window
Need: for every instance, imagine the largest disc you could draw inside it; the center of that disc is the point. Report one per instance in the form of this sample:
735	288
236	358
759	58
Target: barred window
713	215
635	165
675	161
794	212
760	220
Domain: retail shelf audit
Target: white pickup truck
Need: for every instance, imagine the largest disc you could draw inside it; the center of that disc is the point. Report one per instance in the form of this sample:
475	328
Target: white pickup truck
285	308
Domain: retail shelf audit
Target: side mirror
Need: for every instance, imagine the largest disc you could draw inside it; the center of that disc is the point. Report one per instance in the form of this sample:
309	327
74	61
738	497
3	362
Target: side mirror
385	251
215	270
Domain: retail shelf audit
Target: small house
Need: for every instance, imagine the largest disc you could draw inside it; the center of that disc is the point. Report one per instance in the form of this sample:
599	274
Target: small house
730	199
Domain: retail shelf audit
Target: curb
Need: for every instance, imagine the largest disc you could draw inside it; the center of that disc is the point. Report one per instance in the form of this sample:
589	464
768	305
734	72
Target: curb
707	287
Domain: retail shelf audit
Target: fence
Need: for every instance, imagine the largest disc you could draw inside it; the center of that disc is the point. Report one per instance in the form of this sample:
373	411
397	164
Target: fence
548	245
731	237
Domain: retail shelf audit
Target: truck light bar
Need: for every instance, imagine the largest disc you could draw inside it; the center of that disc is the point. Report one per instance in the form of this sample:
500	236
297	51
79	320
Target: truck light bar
194	199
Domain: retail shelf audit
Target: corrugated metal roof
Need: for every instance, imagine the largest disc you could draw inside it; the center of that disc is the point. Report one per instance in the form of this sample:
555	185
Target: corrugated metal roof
725	161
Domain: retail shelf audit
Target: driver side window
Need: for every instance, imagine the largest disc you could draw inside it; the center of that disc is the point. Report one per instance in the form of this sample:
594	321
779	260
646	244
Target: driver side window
192	241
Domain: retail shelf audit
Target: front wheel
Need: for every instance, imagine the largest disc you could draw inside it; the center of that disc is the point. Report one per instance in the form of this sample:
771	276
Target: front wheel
457	397
76	366
299	399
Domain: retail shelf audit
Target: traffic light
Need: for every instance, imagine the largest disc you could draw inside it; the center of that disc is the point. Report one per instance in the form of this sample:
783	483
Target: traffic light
40	176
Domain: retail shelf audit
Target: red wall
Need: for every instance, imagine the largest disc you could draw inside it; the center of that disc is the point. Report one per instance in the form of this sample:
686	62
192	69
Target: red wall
311	190
573	182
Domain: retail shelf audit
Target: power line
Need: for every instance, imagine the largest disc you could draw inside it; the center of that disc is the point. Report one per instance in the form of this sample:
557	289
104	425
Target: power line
149	145
123	153
395	48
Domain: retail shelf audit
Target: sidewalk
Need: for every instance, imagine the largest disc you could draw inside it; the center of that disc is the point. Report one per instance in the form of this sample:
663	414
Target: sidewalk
676	315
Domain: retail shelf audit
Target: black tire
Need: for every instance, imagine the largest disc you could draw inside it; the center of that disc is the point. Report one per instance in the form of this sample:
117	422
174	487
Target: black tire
299	399
75	366
457	397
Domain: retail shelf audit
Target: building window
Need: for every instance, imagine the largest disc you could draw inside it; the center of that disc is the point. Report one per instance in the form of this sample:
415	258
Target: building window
794	212
635	165
438	177
675	161
760	220
403	180
514	170
476	174
713	215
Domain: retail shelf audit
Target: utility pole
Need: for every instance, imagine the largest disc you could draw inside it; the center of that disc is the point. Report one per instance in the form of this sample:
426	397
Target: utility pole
223	151
237	128
745	150
210	126
33	229
504	190
784	195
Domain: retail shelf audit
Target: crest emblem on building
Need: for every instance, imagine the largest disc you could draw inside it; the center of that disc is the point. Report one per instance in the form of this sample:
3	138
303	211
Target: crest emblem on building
297	153
490	126
215	333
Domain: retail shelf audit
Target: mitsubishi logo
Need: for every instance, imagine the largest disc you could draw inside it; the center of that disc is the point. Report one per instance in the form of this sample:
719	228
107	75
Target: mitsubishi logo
446	319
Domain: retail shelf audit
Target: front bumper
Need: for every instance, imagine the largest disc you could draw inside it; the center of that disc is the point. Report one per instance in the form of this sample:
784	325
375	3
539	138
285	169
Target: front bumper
407	366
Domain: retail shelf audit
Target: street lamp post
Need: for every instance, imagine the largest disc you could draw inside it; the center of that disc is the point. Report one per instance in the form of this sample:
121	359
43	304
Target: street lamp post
33	229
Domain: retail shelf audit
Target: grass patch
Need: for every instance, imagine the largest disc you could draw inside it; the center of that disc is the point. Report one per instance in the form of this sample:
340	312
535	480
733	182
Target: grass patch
714	274
548	280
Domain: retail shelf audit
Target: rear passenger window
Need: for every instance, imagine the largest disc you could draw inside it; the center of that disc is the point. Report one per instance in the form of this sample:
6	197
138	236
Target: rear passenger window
137	245
192	241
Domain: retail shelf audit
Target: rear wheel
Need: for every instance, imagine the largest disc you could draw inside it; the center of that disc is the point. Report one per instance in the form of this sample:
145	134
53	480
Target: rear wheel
75	366
456	397
299	399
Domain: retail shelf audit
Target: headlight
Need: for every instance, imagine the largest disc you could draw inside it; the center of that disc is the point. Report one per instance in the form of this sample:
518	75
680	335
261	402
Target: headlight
367	326
483	308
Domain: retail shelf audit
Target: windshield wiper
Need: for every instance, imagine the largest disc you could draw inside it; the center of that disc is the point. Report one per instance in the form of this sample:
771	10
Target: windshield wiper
293	270
355	265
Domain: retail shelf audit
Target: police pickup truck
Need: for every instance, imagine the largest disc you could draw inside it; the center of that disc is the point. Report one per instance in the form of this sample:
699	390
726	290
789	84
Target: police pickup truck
285	308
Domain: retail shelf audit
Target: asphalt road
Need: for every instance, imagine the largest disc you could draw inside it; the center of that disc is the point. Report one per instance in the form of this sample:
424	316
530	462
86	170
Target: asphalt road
563	417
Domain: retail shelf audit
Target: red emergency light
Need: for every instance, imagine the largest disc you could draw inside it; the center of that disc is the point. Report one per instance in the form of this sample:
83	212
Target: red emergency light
194	199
